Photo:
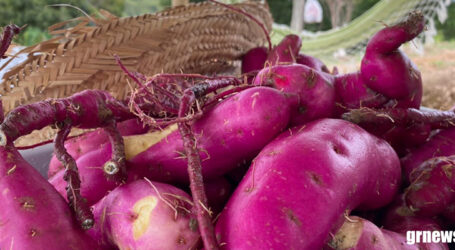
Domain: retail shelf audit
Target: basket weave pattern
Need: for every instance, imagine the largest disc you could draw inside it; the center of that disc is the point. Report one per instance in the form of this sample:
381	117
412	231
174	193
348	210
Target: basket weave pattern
198	38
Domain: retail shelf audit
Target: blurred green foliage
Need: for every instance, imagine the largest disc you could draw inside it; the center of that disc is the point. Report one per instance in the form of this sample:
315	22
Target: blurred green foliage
32	35
281	10
360	6
447	29
39	14
135	7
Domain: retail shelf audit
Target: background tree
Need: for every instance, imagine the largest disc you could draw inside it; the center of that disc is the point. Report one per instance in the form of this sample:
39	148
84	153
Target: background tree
448	27
38	14
340	11
297	15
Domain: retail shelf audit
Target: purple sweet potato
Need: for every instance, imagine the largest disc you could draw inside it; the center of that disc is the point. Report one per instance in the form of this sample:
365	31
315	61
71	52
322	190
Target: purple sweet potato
401	219
312	62
145	215
432	186
387	70
218	192
314	90
299	186
94	184
440	144
6	38
254	59
34	215
286	51
449	214
359	234
387	78
352	93
405	129
238	127
87	142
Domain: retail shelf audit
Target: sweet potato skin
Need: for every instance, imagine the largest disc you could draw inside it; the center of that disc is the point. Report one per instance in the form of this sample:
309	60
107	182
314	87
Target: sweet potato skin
33	214
286	51
238	127
314	90
358	234
94	184
387	77
432	186
440	144
218	192
400	218
145	215
94	140
286	198
387	70
254	59
312	62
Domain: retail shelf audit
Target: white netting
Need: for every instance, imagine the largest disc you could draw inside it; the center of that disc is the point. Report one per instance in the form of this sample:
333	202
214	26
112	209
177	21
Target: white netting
353	37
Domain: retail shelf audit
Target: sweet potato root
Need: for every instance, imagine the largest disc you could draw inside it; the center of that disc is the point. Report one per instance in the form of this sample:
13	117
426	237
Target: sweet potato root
34	215
145	215
288	193
239	127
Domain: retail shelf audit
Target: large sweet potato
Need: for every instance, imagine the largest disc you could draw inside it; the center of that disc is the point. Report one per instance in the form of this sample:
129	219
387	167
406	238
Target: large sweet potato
233	131
299	186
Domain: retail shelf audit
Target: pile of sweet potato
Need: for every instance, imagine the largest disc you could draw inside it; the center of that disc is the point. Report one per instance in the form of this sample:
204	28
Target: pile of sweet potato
288	156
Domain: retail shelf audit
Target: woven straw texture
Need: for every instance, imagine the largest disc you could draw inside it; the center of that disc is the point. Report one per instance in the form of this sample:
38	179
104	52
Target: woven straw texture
198	38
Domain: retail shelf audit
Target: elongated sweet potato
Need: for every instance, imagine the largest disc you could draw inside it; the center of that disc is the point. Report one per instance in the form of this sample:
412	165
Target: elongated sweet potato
299	186
33	215
387	70
145	215
387	77
239	127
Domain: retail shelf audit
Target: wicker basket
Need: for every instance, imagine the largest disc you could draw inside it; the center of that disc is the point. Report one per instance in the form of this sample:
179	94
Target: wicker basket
196	38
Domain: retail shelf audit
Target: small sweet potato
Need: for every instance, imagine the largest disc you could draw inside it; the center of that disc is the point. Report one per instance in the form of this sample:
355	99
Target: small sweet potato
145	215
440	144
313	89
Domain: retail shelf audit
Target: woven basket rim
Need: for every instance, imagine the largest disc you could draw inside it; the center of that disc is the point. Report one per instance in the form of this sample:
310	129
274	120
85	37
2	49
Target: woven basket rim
81	56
